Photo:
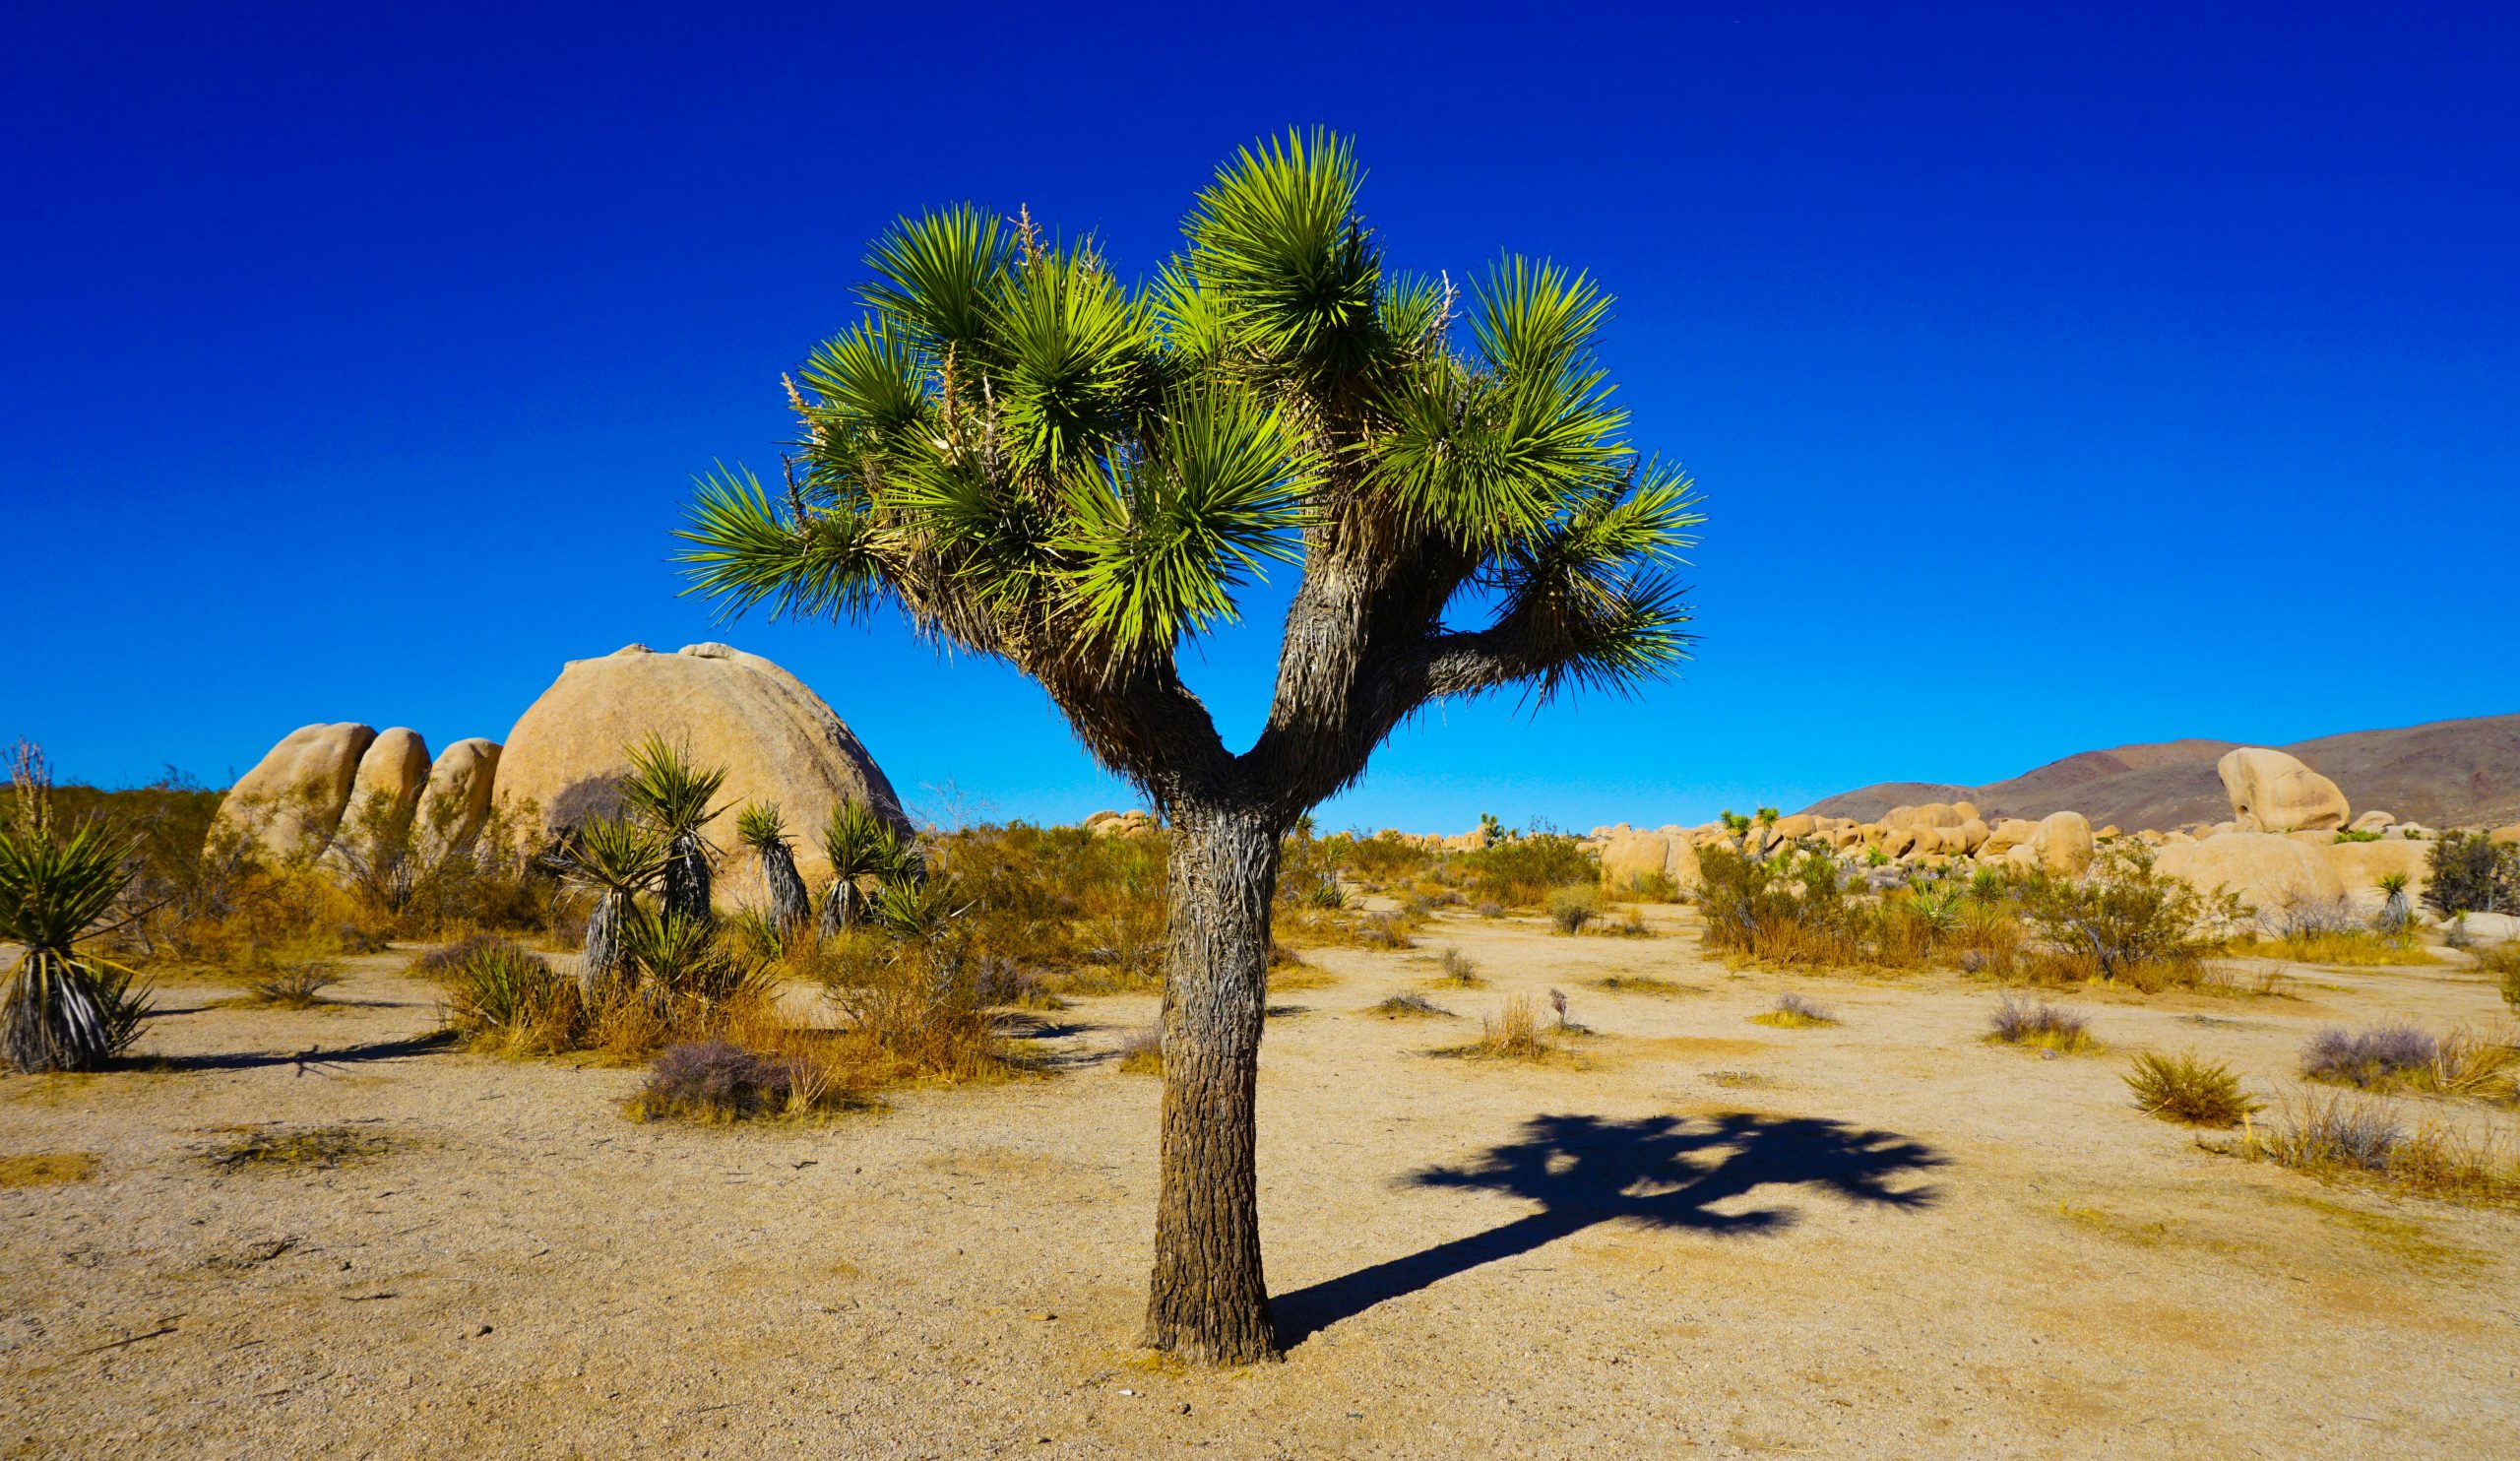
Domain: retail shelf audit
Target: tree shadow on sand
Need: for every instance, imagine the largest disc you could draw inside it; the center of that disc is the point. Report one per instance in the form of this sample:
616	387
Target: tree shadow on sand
1656	1172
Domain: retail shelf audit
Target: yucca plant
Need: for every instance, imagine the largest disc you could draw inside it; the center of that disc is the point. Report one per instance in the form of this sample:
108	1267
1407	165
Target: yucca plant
671	795
867	852
1039	463
2395	908
762	830
61	1009
677	956
616	859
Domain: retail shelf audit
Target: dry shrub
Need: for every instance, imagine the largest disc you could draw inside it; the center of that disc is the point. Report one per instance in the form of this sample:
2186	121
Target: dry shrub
1514	1034
2185	1087
299	1146
2344	1136
1526	870
1081	914
1459	972
1643	984
1573	907
2353	947
2039	1025
716	1080
1142	1054
2126	923
2391	1057
2502	963
1793	1012
1410	1007
1796	908
293	985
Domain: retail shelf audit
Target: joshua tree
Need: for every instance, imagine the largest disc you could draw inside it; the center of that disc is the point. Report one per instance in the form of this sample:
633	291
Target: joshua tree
616	859
866	852
762	830
1039	462
671	795
60	1009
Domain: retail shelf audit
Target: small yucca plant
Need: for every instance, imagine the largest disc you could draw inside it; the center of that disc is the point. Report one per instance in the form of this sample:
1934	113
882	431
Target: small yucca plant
671	795
2395	909
866	850
616	859
762	829
60	1009
681	956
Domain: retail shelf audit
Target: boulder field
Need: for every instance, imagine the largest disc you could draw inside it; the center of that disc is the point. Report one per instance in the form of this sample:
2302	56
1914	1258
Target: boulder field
2283	847
327	791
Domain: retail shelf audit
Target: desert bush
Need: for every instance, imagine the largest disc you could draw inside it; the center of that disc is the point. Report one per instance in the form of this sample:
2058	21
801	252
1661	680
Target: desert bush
1653	886
1793	1012
717	1080
2470	873
1791	908
505	998
2461	1062
1515	1033
62	1007
294	985
1524	871
1490	908
1574	906
1458	970
2338	1135
2127	922
2352	947
2503	962
1141	1052
2041	1025
1642	983
2188	1089
1382	856
1409	1006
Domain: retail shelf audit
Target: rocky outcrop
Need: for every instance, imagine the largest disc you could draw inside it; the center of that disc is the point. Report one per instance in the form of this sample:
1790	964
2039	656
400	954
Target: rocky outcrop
777	740
2063	844
1628	856
2271	791
2270	873
386	791
456	802
290	804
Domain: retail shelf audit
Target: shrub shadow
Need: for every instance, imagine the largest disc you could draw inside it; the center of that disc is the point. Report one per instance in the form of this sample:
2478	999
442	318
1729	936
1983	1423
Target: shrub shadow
1656	1172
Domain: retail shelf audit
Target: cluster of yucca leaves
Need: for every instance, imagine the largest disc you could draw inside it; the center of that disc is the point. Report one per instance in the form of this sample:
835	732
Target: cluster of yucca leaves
1038	461
61	1008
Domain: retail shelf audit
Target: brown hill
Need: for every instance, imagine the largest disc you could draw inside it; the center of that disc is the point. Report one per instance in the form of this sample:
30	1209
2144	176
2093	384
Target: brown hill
2446	773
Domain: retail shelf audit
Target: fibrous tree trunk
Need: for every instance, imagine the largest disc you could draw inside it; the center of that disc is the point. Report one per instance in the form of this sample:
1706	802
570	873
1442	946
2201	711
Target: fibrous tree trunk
686	887
789	905
839	907
601	967
1208	1302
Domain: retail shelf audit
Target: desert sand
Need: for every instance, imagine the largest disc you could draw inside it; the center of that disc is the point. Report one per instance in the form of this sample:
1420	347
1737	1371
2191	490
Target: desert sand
1695	1236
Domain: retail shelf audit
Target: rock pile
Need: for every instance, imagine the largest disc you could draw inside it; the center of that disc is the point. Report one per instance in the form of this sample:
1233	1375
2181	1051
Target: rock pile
330	791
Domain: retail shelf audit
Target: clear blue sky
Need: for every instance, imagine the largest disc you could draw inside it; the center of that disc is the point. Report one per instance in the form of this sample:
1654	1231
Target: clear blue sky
2053	383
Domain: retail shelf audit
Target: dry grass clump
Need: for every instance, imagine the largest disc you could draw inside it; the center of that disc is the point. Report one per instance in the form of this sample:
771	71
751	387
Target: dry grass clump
2187	1088
1516	1032
2503	962
2351	947
1793	1012
1458	971
293	985
717	1080
2388	1057
299	1146
1643	984
46	1169
507	1000
1142	1054
2039	1025
2343	1136
1410	1007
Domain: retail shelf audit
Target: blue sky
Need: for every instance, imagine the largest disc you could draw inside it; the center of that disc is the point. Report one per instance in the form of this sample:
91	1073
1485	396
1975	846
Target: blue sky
2053	383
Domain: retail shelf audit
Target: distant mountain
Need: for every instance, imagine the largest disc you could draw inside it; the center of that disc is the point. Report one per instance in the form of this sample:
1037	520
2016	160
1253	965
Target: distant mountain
2447	774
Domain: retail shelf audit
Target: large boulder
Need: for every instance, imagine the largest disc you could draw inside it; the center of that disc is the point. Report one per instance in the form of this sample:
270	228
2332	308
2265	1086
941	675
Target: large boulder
387	789
2270	873
2010	833
456	804
2062	843
2271	791
777	740
290	804
2360	866
1630	855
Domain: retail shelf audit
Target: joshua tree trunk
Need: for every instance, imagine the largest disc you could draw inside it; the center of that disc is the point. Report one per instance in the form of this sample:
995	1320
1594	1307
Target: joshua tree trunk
601	967
686	879
1208	1302
789	905
840	908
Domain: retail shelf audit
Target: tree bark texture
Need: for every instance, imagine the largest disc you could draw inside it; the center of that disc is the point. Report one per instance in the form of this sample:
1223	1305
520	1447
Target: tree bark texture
1208	1302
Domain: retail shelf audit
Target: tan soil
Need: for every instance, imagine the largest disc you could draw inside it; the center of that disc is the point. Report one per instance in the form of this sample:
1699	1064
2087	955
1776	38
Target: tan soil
1884	1239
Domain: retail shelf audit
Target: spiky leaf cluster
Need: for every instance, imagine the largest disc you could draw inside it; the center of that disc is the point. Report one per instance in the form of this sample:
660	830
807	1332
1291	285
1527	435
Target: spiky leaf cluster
1040	462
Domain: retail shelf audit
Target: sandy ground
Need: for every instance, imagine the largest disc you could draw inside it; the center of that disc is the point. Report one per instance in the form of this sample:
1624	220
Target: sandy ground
1704	1238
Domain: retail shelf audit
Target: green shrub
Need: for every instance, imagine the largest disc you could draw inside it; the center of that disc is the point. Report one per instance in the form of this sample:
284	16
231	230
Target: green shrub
1523	871
2128	922
2470	873
1574	906
2183	1087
